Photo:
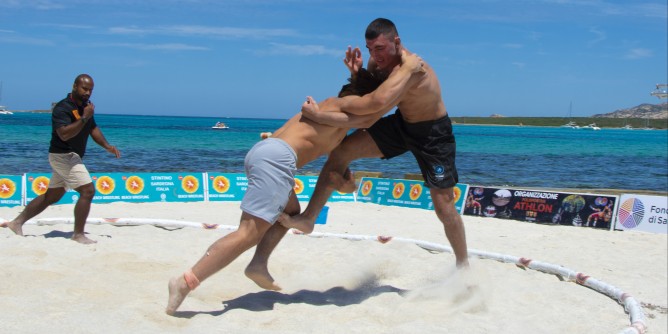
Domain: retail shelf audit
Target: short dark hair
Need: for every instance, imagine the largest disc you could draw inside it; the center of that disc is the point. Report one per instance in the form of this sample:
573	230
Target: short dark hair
364	83
381	26
82	77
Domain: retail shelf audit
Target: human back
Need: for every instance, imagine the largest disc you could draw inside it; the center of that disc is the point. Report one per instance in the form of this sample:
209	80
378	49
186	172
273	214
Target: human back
309	139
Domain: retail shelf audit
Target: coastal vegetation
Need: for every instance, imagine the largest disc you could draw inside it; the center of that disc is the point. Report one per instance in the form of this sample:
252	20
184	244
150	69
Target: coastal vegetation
643	116
636	123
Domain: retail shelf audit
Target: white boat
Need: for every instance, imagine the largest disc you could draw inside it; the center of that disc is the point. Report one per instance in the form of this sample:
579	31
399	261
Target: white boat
3	109
591	126
647	126
627	127
220	126
571	125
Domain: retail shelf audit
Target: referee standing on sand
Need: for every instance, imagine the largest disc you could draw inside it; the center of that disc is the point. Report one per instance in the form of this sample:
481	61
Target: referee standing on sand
72	121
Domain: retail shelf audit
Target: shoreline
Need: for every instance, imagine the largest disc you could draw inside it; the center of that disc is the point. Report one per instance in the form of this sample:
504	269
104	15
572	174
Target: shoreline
326	279
542	121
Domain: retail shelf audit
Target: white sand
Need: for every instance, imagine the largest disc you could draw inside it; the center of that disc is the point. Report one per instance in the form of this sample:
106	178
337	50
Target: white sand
119	285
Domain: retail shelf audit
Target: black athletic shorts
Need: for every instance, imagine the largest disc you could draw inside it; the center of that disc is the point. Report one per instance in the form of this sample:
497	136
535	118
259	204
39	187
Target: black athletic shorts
431	142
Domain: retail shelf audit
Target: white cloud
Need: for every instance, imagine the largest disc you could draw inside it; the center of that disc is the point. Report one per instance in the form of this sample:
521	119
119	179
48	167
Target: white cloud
69	26
36	4
301	50
638	53
206	31
151	47
600	36
16	39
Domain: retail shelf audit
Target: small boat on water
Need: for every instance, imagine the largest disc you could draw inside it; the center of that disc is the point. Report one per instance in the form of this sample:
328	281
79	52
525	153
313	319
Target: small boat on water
571	125
4	111
220	126
591	126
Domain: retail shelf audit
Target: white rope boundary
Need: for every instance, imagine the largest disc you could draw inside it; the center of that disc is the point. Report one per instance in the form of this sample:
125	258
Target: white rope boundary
631	305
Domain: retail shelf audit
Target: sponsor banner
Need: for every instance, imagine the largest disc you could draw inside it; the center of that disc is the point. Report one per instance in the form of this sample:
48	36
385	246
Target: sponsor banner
232	187
305	185
587	210
405	193
148	187
643	213
128	187
226	186
11	190
341	197
37	183
460	191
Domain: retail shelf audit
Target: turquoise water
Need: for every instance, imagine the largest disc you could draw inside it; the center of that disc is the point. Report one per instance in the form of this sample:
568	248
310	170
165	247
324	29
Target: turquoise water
486	155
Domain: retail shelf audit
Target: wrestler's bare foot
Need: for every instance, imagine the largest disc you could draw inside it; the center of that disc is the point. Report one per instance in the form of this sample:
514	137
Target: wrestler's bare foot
260	275
298	222
344	184
83	239
178	290
463	264
15	227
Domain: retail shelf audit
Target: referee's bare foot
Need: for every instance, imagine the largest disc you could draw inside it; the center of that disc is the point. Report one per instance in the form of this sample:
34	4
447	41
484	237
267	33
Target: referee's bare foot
16	227
260	275
82	239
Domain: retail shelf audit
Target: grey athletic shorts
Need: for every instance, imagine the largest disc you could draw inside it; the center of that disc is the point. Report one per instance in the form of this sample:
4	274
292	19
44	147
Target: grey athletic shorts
270	168
69	171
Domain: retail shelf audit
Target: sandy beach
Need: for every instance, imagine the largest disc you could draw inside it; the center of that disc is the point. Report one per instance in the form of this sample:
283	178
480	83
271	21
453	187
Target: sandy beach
330	285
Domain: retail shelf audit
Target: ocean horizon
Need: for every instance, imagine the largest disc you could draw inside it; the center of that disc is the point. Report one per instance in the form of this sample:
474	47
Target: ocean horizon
487	155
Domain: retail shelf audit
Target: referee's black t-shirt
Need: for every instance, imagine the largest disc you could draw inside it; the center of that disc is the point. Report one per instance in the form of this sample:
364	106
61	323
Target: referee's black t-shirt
65	113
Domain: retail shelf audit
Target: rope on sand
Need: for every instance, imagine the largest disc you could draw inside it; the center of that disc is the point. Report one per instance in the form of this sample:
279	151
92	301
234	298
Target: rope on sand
631	305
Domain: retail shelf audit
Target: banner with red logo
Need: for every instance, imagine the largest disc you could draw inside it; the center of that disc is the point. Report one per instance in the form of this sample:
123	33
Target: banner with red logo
406	193
11	190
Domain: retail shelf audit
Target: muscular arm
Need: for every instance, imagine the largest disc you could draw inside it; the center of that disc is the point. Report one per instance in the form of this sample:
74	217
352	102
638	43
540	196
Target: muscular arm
361	112
334	117
355	121
68	132
388	93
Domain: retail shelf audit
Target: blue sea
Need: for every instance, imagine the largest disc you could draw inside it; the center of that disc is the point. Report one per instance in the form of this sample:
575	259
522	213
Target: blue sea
541	157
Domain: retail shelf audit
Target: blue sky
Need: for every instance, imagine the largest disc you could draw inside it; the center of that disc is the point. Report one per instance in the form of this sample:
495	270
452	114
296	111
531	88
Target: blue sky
262	58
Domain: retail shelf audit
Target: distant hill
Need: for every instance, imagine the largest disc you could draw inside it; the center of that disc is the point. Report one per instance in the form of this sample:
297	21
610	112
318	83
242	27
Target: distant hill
646	111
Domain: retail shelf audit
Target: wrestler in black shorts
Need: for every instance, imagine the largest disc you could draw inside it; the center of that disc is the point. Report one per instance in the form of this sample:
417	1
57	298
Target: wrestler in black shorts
431	142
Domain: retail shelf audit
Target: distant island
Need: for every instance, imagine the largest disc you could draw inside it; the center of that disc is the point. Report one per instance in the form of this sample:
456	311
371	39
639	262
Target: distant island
646	110
653	116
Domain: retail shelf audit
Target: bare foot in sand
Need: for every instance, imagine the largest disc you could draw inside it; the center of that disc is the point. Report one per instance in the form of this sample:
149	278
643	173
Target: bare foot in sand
81	238
16	227
178	290
260	275
298	222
